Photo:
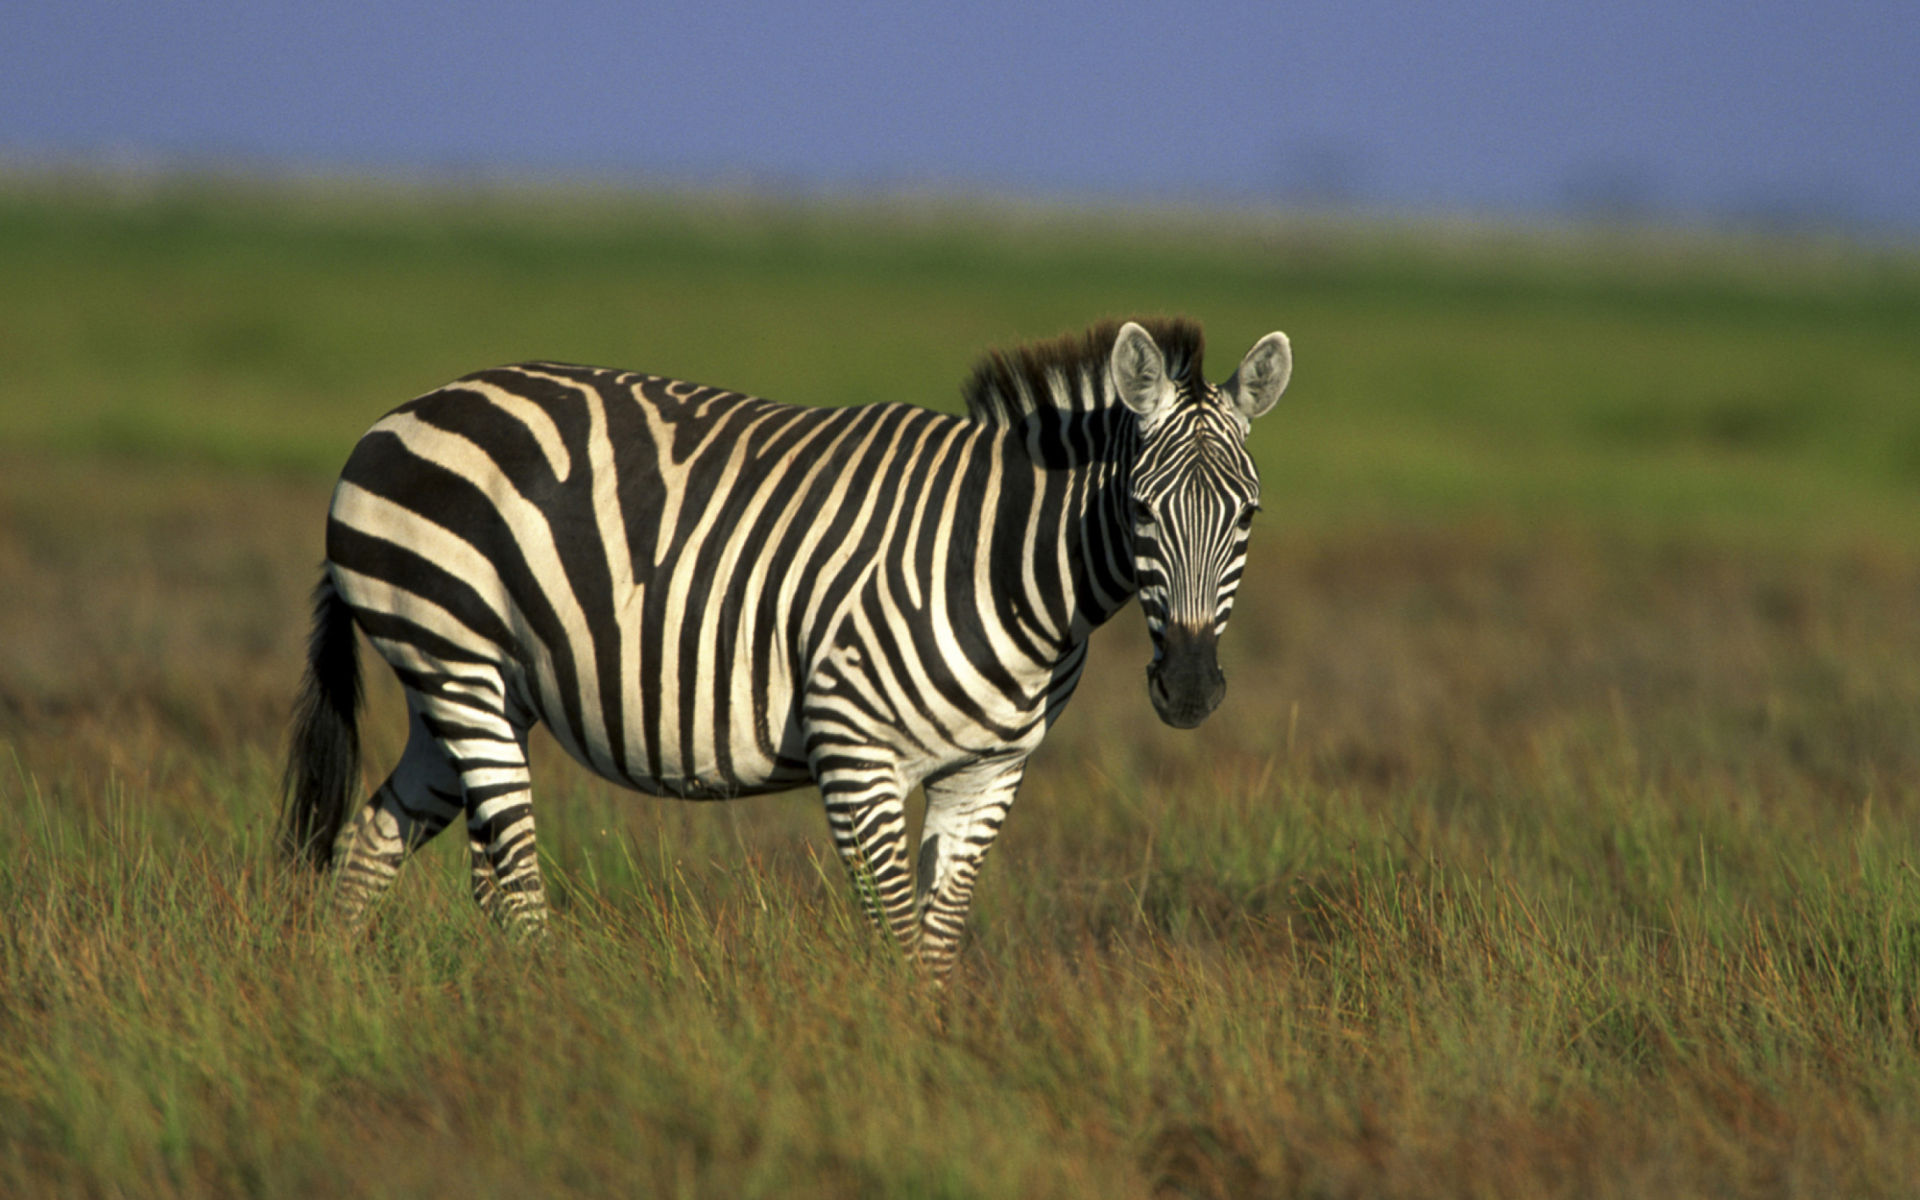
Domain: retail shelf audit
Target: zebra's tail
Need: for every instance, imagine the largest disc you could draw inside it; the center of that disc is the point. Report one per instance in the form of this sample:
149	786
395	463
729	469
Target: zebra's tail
323	762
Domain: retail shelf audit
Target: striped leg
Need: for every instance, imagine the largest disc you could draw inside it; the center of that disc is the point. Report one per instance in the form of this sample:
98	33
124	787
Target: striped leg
484	749
867	814
505	864
965	810
419	799
484	884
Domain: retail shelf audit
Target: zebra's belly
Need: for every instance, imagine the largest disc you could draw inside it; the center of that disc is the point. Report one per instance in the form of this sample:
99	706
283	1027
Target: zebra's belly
692	750
713	786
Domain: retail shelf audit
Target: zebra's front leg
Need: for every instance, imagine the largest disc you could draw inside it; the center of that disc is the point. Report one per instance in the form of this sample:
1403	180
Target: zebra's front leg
965	809
866	812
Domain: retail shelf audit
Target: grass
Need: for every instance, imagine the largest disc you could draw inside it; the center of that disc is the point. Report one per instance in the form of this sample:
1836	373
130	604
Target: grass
1754	385
1558	836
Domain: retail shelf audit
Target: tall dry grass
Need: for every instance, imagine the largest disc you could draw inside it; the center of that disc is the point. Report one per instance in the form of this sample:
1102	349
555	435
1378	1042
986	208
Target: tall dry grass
1521	860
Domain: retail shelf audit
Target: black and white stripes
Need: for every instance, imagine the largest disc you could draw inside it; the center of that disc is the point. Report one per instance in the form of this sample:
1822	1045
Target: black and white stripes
707	595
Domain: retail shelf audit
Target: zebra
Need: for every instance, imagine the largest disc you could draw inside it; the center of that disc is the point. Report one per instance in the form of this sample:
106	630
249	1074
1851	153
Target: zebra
706	595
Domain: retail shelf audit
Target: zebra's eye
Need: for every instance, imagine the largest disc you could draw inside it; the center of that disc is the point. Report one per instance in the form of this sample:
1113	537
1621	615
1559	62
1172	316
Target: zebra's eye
1142	515
1246	516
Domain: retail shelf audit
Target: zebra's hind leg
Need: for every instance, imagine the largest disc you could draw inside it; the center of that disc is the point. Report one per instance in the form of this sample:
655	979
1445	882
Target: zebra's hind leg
419	799
965	809
866	812
505	860
484	884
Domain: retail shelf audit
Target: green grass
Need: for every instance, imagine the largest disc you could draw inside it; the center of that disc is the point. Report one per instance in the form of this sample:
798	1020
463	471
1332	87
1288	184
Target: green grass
1458	372
1558	836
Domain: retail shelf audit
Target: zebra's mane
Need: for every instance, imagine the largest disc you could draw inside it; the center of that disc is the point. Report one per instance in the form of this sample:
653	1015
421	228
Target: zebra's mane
1070	372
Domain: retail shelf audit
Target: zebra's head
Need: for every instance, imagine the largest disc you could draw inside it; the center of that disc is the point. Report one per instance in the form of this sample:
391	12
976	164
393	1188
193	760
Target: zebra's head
1193	494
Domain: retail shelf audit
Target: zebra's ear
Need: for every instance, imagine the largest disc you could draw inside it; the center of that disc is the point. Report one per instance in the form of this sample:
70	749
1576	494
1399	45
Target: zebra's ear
1262	375
1139	372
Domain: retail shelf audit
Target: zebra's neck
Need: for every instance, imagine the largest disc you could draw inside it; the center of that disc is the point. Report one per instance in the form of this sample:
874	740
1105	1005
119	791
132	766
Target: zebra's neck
1057	399
1069	545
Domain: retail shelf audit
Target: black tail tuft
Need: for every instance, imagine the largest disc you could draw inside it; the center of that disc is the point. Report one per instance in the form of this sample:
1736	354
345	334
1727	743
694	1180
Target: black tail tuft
323	762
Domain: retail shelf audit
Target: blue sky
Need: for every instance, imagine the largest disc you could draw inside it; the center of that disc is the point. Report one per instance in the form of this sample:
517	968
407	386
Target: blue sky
1690	111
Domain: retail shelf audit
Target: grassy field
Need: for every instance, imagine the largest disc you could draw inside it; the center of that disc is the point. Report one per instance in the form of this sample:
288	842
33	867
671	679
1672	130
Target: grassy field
1558	836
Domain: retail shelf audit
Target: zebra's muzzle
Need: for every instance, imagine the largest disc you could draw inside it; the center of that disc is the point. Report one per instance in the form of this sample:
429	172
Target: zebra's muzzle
1185	682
